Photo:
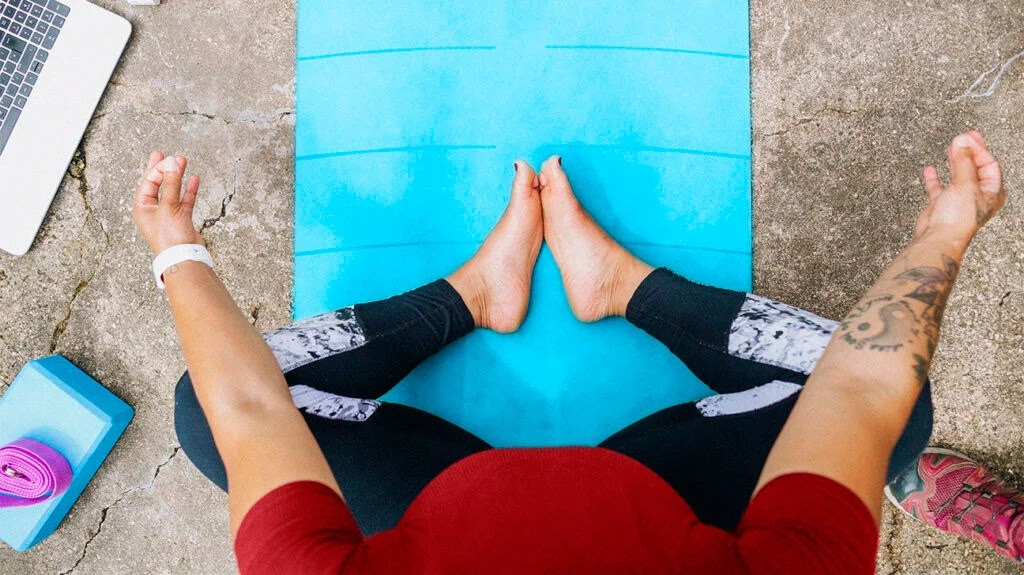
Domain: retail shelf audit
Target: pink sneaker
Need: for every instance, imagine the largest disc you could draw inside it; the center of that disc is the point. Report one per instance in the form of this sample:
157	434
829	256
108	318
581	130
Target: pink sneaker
949	491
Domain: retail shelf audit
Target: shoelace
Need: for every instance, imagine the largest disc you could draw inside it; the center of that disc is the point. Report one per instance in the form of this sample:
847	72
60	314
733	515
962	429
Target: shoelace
991	489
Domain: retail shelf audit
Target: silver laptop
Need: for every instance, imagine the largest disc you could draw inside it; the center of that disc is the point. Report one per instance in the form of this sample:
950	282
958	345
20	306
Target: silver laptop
56	57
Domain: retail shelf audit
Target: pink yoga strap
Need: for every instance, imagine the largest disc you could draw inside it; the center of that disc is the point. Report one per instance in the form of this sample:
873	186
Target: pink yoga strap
31	472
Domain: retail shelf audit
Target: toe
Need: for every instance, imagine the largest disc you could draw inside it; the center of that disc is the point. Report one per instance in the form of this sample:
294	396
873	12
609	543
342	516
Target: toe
523	183
553	176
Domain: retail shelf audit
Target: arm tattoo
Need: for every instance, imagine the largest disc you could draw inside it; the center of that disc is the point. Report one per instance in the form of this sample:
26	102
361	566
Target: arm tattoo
883	323
933	287
892	321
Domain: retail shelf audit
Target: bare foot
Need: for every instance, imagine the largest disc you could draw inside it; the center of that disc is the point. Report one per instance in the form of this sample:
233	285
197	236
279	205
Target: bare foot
495	282
599	275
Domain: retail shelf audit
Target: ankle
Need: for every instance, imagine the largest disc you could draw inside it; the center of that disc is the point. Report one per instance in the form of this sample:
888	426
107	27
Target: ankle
472	291
629	277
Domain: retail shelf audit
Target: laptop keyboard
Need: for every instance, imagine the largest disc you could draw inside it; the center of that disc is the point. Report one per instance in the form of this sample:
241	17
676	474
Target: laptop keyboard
28	30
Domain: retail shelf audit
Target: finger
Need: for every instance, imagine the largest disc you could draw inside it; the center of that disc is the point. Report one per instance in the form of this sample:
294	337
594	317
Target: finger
188	199
990	178
977	137
154	159
170	188
932	183
522	184
148	192
962	166
982	156
990	175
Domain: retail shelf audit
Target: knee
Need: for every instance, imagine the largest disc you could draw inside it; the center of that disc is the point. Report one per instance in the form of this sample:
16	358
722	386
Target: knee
188	414
916	435
194	435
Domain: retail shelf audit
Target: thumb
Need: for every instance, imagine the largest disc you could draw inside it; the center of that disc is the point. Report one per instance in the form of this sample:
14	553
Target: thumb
961	159
170	186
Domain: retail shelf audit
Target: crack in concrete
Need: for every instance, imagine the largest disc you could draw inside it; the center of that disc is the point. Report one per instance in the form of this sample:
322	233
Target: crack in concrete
254	313
77	171
210	222
813	118
120	498
895	565
999	70
62	324
275	117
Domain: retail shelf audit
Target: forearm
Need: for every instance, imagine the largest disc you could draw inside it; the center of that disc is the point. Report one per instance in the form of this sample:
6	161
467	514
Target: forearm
858	399
883	349
262	439
230	365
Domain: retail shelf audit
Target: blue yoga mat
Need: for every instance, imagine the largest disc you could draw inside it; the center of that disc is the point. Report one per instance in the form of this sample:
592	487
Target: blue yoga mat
410	115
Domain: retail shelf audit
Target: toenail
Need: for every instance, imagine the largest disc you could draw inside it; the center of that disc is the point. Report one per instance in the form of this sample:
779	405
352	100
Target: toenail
559	160
516	165
962	141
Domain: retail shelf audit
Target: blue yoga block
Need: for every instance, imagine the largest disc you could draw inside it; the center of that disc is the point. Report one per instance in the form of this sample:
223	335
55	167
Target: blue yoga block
54	402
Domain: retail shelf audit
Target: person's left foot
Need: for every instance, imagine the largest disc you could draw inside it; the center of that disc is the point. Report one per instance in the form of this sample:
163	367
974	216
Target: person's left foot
495	282
949	491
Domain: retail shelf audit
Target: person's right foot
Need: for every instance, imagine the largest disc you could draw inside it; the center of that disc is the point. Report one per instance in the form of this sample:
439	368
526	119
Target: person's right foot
599	275
949	491
495	282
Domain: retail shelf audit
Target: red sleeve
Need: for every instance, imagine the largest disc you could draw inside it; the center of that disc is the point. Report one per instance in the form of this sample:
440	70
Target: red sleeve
806	523
302	527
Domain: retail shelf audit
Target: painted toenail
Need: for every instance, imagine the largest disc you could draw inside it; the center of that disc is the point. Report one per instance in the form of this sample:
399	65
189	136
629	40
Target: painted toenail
559	160
516	166
962	141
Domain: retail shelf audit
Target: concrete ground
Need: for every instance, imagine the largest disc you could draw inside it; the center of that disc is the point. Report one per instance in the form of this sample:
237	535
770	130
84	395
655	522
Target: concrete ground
851	99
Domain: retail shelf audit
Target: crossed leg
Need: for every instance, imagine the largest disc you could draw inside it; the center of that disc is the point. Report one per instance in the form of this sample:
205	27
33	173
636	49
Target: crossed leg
337	364
756	353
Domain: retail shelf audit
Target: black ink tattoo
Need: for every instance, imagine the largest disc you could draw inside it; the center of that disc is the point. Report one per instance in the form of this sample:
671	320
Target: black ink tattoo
984	209
933	288
891	321
921	367
895	327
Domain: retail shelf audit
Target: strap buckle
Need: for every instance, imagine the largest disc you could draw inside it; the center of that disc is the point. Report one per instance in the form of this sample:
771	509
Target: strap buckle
11	472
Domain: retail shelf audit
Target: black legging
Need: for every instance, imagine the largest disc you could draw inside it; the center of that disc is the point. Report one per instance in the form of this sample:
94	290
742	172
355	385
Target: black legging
756	353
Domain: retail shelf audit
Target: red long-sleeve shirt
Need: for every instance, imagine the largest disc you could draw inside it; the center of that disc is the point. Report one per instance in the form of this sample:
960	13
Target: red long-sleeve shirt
565	510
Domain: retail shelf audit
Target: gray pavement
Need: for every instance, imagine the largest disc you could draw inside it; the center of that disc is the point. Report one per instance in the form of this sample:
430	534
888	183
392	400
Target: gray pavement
850	100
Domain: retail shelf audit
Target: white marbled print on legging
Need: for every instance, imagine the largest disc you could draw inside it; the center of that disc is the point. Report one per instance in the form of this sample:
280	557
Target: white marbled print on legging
747	400
331	406
767	331
317	337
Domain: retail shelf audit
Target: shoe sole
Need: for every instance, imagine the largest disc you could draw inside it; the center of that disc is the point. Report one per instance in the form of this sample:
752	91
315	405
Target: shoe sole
938	450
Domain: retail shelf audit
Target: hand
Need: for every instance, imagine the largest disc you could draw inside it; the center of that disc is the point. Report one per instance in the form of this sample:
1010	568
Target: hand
161	212
973	196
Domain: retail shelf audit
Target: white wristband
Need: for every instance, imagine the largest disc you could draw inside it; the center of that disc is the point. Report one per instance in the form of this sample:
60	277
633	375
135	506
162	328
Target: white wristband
174	255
